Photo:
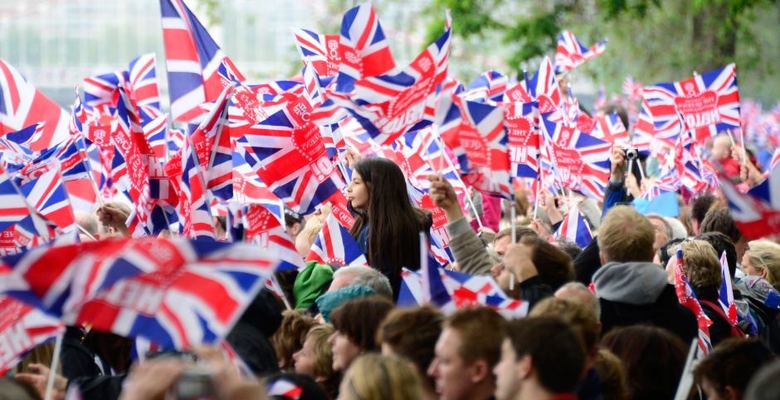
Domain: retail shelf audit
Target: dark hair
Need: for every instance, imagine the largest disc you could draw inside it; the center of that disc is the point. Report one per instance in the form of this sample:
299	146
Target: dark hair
700	205
553	265
393	223
666	251
557	353
732	363
721	243
413	332
569	247
653	358
359	320
720	220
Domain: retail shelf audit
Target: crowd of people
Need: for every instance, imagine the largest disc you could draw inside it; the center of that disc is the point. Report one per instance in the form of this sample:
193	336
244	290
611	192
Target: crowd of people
605	322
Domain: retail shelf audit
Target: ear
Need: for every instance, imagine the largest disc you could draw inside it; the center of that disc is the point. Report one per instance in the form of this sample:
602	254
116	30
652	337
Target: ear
480	370
525	367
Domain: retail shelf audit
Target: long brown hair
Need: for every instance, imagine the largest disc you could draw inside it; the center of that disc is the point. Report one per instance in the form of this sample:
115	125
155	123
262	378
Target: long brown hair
393	223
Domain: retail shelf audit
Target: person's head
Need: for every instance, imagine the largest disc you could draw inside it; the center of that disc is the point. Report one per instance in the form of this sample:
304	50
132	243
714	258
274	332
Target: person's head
412	333
762	258
701	264
569	247
663	231
653	359
540	354
612	375
576	291
719	219
89	223
699	207
504	238
356	322
553	264
292	223
725	372
764	385
721	147
359	275
315	359
580	318
380	377
290	336
625	236
721	243
378	194
466	352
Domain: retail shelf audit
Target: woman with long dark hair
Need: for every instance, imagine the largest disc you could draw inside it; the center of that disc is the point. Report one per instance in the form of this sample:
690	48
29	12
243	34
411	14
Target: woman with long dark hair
387	226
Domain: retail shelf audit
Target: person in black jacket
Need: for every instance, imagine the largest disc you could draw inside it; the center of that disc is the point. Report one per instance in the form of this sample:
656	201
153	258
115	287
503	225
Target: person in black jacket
631	289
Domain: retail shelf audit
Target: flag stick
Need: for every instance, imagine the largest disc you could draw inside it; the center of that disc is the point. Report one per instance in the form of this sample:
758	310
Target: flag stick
55	362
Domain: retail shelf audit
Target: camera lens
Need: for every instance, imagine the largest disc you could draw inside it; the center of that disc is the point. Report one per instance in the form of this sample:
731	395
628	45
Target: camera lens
631	154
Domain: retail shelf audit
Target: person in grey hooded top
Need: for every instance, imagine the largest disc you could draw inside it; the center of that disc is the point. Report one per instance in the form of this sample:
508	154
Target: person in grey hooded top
631	289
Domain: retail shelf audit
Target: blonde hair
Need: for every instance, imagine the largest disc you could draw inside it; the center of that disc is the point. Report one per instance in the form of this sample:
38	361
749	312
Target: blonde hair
626	235
580	317
701	264
765	255
378	377
612	375
323	352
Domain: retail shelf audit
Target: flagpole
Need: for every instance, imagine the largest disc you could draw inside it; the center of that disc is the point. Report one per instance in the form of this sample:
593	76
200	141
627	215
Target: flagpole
55	362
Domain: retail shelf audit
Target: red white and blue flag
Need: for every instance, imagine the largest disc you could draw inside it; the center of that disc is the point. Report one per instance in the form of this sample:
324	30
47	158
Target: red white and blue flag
193	61
488	86
610	128
757	212
574	228
542	87
726	292
687	297
335	246
363	51
22	105
523	138
194	207
22	328
284	389
571	53
46	194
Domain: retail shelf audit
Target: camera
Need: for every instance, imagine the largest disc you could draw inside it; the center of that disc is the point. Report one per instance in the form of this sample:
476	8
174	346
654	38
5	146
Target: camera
631	154
195	383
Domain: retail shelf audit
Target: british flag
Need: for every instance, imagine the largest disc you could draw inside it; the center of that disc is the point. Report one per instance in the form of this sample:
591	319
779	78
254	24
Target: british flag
156	132
213	148
571	53
335	246
102	89
364	51
775	160
13	207
575	228
22	328
687	297
610	129
757	212
284	389
47	195
24	138
488	86
523	138
726	292
264	227
580	161
142	82
193	60
322	52
196	217
22	105
706	104
287	152
389	105
542	87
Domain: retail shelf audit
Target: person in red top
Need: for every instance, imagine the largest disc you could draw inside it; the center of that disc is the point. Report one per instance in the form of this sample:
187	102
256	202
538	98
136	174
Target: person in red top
533	369
722	152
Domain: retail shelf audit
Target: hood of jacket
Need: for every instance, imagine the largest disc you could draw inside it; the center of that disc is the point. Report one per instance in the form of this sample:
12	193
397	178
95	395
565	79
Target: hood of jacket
634	283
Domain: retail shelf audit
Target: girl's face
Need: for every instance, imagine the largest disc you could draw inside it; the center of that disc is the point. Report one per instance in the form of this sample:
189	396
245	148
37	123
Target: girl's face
751	269
305	359
357	192
344	351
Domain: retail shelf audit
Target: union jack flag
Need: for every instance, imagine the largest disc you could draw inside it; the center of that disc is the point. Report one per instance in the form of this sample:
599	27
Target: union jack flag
22	105
757	212
142	82
389	105
775	161
575	228
156	132
706	104
24	138
13	207
364	51
580	161
47	195
335	246
726	292
102	89
687	297
263	226
610	129
193	60
542	87
213	148
22	328
523	138
285	389
194	209
571	53
488	86
287	152
322	52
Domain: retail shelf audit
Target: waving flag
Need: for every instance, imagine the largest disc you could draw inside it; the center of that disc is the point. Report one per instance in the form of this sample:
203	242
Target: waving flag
571	53
24	138
263	226
610	128
575	229
47	195
364	51
488	86
142	81
322	52
193	60
22	105
775	161
13	207
523	135
707	103
389	105
23	328
284	389
687	297
542	87
581	162
335	246
213	148
757	212
726	292
197	220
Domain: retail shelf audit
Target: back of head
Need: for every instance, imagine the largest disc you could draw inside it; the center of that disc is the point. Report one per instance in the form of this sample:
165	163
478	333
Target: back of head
653	359
701	264
580	318
378	377
719	219
359	320
722	243
764	385
732	364
556	352
700	205
368	277
481	331
291	335
577	292
412	333
553	265
626	236
612	376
